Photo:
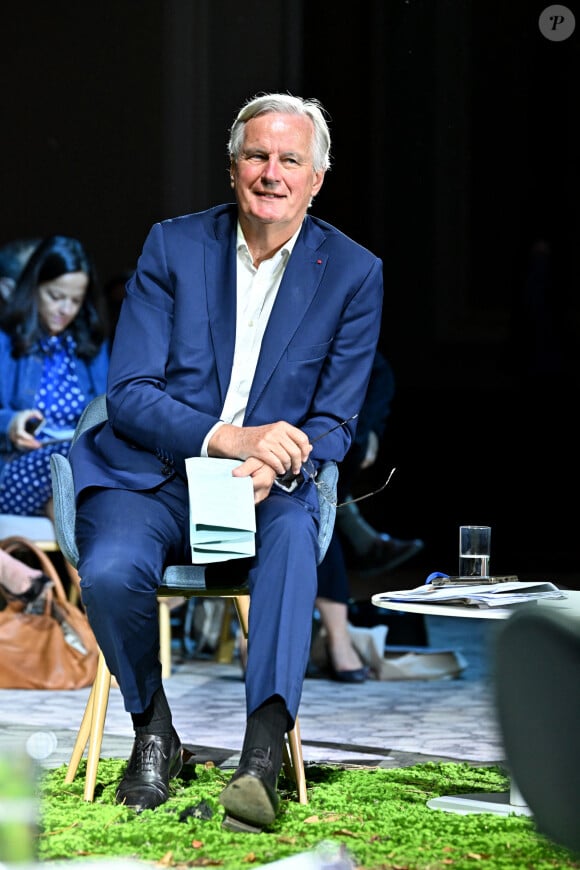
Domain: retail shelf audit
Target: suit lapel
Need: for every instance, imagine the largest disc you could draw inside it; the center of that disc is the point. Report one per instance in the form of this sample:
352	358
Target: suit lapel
220	282
300	282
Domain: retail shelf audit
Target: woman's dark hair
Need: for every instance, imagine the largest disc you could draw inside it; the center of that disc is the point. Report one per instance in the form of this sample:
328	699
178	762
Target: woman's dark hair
53	257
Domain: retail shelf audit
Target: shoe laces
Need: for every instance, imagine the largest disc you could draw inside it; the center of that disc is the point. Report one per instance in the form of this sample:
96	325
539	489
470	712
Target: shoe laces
261	758
146	759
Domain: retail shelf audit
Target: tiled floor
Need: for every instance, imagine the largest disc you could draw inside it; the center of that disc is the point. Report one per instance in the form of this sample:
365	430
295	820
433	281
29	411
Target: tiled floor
389	723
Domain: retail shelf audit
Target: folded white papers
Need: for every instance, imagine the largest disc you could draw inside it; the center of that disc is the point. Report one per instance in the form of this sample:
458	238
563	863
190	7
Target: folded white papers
222	516
495	595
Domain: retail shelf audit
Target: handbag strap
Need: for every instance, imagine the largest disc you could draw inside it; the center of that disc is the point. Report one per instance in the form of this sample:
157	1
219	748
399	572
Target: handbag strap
15	544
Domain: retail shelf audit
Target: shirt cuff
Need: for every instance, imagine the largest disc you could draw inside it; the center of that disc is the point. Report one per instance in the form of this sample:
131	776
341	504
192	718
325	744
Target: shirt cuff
206	440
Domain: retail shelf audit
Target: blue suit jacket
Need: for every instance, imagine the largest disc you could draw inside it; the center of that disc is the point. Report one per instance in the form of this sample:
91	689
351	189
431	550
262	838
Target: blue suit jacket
174	344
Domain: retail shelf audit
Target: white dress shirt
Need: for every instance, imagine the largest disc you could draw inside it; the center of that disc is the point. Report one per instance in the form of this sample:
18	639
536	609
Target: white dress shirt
256	291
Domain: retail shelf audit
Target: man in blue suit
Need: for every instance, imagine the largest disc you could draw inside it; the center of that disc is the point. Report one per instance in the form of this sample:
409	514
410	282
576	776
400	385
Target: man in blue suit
247	331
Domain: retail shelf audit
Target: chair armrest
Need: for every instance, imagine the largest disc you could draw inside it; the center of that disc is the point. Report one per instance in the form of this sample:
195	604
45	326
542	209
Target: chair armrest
63	494
327	482
94	413
63	491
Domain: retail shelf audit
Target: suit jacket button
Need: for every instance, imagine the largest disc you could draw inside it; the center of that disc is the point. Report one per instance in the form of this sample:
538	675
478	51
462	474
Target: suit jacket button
166	470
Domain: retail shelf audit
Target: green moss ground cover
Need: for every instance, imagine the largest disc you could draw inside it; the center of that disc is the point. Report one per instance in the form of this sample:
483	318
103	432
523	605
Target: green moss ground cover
380	816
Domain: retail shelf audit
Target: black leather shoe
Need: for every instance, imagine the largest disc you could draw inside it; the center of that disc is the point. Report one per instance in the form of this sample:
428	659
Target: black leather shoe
355	675
153	762
250	798
359	675
385	554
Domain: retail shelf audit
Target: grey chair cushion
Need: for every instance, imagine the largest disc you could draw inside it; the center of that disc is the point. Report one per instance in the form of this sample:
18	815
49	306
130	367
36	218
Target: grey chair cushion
93	414
327	480
63	494
192	578
178	576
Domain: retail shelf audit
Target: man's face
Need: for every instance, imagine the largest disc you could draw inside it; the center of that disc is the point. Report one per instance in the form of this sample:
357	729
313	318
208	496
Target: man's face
274	178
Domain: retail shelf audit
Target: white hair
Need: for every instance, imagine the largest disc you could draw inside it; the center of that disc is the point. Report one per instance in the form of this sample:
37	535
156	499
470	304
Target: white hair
264	104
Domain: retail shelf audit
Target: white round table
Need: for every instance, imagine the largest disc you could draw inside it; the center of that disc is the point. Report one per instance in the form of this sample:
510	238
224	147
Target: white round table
500	803
570	603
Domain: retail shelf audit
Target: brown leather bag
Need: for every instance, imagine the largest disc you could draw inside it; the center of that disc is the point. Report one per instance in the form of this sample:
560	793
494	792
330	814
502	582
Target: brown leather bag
53	648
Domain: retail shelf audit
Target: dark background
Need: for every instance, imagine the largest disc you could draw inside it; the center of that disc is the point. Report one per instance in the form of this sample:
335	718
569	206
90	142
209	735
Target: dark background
455	146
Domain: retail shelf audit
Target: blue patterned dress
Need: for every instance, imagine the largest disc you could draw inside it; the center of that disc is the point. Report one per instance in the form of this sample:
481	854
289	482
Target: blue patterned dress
25	481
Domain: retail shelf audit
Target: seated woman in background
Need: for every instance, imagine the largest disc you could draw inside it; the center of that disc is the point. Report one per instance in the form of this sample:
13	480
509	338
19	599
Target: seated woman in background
355	543
54	357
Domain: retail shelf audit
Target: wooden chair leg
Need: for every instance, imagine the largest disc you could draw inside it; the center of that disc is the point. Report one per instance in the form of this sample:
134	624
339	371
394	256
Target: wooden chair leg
226	644
165	638
91	730
242	605
99	713
82	737
296	761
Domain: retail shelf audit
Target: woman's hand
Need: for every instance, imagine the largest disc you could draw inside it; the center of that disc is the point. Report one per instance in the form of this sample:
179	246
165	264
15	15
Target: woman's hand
19	426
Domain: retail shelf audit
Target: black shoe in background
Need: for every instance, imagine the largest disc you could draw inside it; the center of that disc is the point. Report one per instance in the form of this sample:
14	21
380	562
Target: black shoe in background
385	554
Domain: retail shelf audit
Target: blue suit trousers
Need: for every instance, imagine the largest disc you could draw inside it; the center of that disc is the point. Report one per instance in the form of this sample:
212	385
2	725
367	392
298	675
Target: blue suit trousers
126	538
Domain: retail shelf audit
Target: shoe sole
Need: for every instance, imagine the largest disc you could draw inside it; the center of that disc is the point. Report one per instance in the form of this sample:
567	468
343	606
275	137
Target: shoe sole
246	801
237	826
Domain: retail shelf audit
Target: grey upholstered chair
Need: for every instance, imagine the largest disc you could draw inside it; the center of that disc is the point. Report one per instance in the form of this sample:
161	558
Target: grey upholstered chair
178	580
537	672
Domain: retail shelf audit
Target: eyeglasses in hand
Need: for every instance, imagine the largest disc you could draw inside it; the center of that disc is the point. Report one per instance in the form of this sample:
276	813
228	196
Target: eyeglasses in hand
311	471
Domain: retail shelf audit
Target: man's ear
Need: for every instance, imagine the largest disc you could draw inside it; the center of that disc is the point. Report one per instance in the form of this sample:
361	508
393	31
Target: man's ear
318	181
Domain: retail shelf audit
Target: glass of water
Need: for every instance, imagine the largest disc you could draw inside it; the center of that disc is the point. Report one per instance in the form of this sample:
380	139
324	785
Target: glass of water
474	551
